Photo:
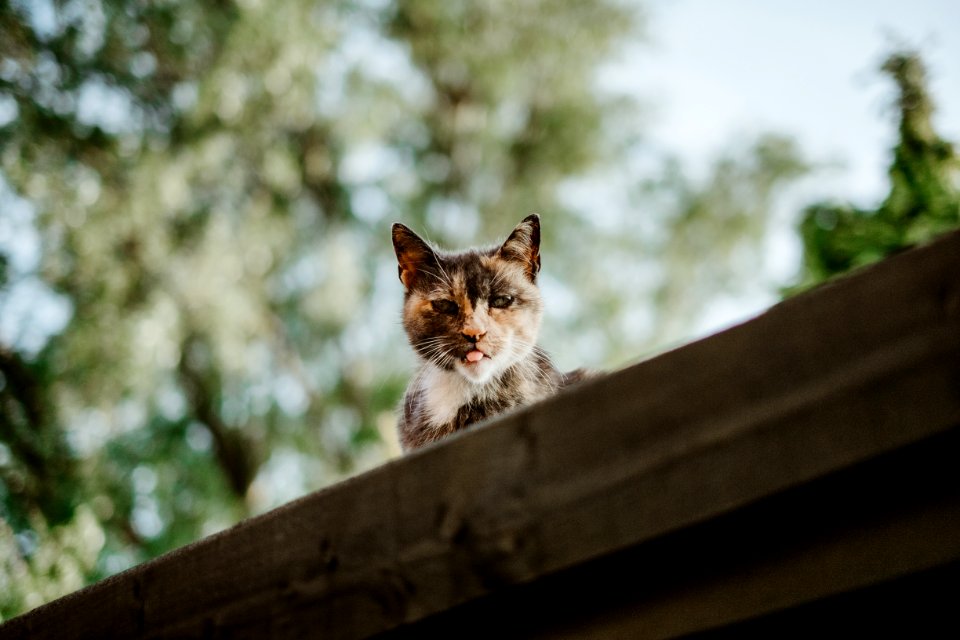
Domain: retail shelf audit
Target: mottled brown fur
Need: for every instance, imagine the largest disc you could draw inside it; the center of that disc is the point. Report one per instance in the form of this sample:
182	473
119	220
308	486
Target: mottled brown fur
484	300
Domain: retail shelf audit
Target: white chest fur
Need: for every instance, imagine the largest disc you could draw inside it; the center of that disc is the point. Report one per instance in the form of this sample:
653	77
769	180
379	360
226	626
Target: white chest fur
444	393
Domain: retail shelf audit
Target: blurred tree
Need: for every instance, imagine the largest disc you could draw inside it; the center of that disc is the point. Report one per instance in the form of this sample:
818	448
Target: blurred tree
713	233
208	189
209	186
924	198
88	87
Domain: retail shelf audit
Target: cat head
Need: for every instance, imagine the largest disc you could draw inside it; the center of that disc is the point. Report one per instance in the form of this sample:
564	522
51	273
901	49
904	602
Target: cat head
475	312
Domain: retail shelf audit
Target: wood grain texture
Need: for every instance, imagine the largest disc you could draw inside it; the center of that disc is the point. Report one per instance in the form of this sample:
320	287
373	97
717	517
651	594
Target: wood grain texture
798	457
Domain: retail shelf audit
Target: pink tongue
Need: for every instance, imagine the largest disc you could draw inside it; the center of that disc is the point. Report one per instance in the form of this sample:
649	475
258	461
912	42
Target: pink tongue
475	356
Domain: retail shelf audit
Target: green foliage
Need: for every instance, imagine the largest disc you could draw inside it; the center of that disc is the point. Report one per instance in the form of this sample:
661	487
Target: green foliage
60	560
924	199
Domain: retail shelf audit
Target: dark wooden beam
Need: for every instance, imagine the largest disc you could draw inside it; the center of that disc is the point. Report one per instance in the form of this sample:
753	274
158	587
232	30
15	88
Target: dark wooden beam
796	468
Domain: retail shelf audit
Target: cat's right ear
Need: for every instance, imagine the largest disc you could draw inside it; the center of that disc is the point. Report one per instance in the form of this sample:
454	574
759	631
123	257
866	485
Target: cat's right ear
414	256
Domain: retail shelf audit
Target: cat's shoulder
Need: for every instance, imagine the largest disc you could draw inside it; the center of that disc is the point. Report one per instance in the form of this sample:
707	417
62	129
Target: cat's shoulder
577	375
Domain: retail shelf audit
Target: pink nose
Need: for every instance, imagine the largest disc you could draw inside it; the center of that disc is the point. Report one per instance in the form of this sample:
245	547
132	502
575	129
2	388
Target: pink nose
472	334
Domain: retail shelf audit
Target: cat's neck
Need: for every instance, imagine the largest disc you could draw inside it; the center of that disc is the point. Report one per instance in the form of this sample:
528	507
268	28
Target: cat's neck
446	392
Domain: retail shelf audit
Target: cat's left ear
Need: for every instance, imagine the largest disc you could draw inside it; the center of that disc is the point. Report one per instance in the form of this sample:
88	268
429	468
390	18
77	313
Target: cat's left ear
523	246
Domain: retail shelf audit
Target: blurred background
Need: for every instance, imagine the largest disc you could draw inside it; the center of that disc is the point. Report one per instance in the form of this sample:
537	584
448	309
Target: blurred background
199	307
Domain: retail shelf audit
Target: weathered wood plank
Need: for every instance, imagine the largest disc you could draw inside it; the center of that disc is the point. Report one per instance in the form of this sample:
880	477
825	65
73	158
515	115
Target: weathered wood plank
880	523
715	434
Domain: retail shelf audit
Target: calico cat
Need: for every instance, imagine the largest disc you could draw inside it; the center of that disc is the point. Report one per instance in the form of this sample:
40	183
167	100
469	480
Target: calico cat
472	318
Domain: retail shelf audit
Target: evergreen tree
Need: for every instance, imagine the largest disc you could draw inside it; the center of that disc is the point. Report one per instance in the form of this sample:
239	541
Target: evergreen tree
924	198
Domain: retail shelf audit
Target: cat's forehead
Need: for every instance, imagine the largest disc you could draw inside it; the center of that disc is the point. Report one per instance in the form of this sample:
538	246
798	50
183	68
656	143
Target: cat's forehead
473	274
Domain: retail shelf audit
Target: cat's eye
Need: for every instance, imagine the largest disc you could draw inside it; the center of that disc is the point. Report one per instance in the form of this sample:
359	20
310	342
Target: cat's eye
444	306
501	302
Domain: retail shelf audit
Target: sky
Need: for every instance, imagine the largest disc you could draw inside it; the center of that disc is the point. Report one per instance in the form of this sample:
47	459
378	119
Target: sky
809	69
714	72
